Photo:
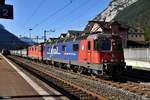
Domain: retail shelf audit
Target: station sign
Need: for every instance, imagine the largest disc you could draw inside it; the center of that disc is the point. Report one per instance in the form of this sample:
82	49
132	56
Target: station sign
6	11
2	2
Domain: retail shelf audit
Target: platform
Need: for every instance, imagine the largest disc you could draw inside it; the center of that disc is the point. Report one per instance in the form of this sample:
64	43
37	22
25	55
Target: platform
136	64
14	84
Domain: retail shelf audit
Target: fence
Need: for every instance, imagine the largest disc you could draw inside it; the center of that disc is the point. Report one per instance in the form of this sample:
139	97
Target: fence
141	54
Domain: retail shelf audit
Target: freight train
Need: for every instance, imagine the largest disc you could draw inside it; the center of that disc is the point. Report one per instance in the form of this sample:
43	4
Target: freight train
98	54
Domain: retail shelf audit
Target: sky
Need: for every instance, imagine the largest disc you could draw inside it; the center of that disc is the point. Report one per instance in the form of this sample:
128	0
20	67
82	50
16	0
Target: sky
55	16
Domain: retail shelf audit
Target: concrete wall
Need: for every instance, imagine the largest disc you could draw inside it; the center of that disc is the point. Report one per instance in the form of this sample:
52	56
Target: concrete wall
140	54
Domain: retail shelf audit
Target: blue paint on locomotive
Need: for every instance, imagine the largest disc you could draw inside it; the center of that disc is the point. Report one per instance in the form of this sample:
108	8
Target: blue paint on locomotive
63	51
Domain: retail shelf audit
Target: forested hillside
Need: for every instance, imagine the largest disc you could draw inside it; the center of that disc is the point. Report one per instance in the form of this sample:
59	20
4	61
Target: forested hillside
137	14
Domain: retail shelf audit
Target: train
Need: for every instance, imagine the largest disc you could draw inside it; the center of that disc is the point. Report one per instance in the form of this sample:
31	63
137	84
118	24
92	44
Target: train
97	54
5	52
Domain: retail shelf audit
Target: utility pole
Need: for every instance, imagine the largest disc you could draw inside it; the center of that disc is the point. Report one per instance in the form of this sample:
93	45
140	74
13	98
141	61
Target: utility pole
45	35
46	31
30	33
37	37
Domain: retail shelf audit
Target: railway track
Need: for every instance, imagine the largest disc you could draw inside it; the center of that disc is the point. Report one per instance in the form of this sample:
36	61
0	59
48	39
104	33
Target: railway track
138	75
85	87
73	91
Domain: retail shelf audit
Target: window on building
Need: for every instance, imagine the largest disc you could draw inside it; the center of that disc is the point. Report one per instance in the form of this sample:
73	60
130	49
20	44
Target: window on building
89	45
75	47
135	35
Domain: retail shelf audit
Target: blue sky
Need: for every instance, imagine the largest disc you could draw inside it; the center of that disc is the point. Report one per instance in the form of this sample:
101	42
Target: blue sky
41	15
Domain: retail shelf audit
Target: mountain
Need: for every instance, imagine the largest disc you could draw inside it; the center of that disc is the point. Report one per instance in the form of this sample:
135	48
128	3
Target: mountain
8	40
113	9
137	15
27	40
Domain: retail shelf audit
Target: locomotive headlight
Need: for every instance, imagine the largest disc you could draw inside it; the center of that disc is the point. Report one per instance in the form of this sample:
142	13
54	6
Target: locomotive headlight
112	60
105	60
122	60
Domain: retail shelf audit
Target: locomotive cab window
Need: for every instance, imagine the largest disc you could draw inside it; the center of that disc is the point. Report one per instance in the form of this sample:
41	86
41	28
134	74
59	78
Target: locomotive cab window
63	48
96	45
102	44
54	47
75	47
105	44
89	45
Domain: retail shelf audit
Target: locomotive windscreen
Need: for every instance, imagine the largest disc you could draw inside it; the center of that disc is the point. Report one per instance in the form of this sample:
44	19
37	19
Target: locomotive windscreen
104	44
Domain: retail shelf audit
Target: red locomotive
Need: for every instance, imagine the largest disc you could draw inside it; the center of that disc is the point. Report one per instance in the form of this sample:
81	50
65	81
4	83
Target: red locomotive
100	54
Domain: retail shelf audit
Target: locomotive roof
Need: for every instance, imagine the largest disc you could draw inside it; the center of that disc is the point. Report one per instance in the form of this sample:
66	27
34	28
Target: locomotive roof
86	36
95	35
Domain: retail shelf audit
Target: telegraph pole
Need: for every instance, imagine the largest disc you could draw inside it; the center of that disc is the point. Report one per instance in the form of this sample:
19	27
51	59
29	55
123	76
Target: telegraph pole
45	35
45	31
37	37
30	33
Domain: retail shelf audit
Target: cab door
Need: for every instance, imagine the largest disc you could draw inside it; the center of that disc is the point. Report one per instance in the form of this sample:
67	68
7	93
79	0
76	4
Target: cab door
89	51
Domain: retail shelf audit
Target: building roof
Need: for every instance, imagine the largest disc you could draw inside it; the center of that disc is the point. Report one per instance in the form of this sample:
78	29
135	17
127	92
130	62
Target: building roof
106	25
74	32
63	35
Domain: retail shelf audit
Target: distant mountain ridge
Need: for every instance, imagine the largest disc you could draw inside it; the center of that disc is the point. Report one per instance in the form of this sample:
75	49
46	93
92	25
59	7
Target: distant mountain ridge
9	41
113	9
135	13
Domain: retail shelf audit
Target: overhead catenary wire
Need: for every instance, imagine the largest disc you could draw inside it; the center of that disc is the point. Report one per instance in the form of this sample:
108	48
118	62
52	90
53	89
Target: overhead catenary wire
52	14
74	10
34	13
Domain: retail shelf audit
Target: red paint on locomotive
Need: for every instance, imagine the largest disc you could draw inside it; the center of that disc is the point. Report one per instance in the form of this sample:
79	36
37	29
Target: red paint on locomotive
35	52
89	54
